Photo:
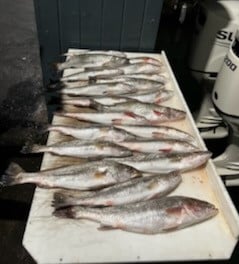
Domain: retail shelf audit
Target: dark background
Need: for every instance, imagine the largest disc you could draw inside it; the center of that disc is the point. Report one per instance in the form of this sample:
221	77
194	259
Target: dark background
23	110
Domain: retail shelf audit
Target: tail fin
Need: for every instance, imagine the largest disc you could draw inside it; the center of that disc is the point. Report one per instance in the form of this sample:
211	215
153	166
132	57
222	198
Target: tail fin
11	176
65	213
56	66
61	200
28	148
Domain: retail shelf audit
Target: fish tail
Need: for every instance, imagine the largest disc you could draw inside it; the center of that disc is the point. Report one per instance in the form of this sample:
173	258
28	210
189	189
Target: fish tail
11	175
29	148
65	213
56	66
61	200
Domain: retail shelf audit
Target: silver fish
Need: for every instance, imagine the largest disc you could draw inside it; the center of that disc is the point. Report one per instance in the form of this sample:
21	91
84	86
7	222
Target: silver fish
134	190
93	133
124	118
151	96
145	60
158	163
158	146
155	114
89	102
159	132
89	73
140	68
87	51
105	89
80	149
87	176
91	60
141	83
147	217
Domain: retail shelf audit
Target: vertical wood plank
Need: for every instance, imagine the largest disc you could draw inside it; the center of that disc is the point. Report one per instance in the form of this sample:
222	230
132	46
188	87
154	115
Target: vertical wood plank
150	25
90	23
111	24
69	24
132	24
48	35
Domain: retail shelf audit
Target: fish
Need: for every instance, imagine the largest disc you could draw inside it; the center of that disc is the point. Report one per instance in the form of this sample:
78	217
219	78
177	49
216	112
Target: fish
107	52
158	146
131	191
152	96
90	73
165	163
159	132
91	60
146	217
142	83
123	118
80	149
94	72
87	176
92	101
151	112
93	133
159	77
145	59
105	89
140	68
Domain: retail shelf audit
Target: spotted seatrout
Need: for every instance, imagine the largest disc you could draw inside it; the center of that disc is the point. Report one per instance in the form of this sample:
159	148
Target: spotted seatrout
91	60
159	132
93	133
158	146
152	112
147	217
139	189
87	176
80	149
103	89
158	163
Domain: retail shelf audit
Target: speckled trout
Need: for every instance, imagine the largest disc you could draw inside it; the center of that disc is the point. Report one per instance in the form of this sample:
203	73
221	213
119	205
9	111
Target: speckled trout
152	112
80	149
134	190
158	146
158	132
91	60
147	217
86	176
166	163
93	133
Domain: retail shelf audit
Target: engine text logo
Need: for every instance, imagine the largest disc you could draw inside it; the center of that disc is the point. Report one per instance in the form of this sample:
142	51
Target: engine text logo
225	35
229	64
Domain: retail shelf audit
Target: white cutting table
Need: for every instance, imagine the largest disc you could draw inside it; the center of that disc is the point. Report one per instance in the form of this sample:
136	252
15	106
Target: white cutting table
52	240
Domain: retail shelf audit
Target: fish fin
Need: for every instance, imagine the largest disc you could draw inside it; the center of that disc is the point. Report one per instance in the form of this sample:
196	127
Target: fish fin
28	148
106	227
56	66
130	114
117	121
60	200
11	176
157	112
165	150
157	135
65	213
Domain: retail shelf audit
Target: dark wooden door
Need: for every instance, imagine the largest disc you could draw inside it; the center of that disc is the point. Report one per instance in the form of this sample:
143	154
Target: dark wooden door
129	25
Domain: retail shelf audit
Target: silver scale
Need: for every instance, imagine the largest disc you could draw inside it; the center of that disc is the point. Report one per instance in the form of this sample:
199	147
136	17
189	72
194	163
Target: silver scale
214	62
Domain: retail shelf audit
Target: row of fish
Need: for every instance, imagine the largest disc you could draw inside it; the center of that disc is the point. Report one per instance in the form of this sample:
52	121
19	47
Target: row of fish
132	160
